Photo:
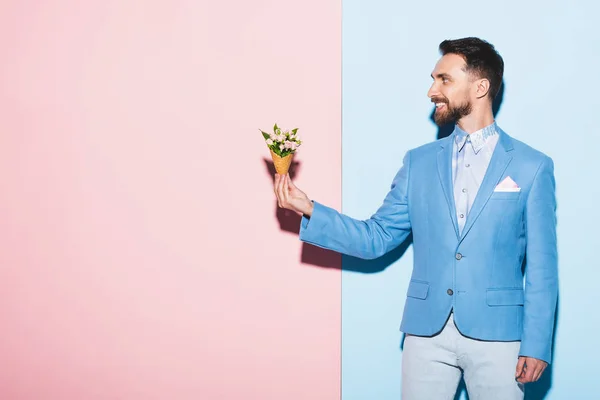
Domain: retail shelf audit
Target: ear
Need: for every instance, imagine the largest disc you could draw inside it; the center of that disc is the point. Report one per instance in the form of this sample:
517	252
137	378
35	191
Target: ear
482	87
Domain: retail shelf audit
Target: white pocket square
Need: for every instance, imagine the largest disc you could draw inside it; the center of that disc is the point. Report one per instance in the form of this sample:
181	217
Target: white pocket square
507	185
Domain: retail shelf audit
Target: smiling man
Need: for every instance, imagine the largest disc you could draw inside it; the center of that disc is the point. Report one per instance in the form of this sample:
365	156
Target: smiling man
480	205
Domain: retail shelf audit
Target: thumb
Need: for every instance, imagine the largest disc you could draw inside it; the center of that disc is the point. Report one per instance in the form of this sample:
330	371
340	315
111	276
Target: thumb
520	366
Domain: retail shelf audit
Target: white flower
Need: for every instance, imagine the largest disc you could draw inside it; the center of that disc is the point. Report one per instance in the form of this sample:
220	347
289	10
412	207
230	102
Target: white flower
269	142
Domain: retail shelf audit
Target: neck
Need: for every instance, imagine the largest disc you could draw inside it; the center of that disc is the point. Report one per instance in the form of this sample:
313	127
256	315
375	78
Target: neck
476	120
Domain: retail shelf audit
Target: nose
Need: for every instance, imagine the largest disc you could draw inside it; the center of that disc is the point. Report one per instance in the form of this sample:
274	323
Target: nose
433	91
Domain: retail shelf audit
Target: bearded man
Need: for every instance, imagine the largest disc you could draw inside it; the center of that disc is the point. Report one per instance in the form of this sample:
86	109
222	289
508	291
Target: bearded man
482	211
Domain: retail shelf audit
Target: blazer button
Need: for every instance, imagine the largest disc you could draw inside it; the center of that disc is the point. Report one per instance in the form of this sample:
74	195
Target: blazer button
450	292
458	256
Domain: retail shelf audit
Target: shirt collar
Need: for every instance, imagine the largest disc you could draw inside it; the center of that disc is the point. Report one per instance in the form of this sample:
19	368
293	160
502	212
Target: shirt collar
478	138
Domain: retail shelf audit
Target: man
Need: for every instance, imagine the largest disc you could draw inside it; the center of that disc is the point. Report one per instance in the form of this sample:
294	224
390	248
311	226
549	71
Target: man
480	205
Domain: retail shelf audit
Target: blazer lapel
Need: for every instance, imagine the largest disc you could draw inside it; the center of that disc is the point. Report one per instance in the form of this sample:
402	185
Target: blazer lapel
444	164
500	160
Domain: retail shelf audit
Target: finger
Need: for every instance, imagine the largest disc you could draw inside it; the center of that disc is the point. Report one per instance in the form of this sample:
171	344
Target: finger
520	366
529	371
286	188
522	378
538	372
278	191
290	183
282	192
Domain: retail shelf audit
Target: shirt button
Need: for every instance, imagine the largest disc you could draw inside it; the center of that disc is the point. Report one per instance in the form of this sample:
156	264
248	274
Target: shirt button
450	292
468	165
458	256
464	190
462	215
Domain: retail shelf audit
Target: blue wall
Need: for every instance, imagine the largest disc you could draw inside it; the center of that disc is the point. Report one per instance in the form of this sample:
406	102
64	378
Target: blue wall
551	101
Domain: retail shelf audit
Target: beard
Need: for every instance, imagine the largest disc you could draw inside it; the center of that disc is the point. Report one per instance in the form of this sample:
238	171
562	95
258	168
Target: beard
450	113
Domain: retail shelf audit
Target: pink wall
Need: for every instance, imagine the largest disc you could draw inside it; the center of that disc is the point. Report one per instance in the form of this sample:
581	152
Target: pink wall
143	256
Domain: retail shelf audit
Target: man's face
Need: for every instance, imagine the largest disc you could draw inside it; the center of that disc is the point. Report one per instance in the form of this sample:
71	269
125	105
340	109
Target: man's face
450	91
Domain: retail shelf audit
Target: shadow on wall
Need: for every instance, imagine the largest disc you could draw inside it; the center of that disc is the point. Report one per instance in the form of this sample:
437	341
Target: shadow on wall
290	222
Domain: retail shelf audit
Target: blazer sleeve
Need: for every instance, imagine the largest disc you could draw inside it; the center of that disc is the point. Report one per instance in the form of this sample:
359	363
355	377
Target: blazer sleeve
367	239
541	270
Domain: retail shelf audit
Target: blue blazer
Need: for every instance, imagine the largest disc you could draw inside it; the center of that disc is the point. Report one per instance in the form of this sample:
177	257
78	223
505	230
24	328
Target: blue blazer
477	275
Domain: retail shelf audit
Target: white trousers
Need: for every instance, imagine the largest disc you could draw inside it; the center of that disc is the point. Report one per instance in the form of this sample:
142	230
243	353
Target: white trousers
432	367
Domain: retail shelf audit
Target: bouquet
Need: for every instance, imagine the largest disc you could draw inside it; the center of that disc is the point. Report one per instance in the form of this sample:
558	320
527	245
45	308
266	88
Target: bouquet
282	146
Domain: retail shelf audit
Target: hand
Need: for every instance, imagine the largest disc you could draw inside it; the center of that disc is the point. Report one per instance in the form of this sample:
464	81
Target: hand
529	369
290	197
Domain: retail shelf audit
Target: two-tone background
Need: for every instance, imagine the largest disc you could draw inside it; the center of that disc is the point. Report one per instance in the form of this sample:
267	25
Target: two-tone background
143	256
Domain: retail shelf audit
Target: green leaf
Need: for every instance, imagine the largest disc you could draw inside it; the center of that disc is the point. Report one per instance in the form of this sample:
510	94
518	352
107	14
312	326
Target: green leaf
265	134
275	127
295	130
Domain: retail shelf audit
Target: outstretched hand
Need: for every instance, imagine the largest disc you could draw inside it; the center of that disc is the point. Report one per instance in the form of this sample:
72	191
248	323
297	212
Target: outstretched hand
290	197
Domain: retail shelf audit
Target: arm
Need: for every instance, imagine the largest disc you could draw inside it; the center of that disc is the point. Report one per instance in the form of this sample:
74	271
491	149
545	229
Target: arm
541	279
367	239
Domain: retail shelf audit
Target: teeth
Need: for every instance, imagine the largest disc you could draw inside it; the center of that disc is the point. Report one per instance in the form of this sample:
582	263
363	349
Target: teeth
439	104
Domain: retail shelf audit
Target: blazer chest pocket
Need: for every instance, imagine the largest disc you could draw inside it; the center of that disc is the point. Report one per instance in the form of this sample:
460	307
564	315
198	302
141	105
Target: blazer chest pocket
505	196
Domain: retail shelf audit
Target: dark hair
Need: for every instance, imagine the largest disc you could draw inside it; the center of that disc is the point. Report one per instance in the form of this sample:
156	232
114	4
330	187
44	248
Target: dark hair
481	58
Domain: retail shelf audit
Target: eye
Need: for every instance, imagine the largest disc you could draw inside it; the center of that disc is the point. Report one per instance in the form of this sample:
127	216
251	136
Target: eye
445	80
